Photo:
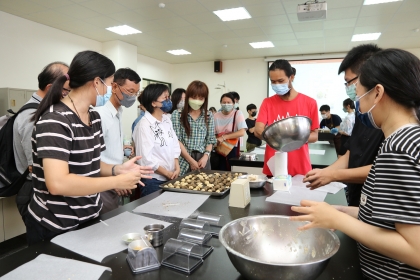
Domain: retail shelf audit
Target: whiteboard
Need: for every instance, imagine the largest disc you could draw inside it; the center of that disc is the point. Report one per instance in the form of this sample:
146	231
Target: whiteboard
319	80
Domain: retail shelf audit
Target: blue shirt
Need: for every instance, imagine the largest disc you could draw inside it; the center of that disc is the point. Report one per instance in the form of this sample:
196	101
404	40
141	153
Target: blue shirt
137	120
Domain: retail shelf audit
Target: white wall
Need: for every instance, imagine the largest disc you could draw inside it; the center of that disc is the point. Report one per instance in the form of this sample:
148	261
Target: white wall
248	77
154	69
27	47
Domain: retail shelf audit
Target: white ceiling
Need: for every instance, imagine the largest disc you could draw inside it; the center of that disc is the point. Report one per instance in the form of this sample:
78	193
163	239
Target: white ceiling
191	25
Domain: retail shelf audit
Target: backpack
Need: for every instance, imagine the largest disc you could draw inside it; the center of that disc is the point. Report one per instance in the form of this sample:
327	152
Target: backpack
10	179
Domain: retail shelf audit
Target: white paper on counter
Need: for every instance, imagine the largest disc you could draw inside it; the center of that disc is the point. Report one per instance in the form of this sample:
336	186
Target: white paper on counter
322	142
316	152
173	204
333	187
101	240
295	195
47	267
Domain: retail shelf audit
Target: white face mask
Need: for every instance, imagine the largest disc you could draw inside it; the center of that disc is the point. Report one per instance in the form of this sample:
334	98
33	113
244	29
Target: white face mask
324	116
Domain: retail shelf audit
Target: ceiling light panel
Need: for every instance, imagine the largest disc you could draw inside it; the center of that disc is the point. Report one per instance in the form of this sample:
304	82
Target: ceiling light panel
233	14
374	2
262	45
365	37
123	30
179	52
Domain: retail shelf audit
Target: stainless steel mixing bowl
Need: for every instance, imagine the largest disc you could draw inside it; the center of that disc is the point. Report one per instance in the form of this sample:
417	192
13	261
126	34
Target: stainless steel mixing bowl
288	134
271	247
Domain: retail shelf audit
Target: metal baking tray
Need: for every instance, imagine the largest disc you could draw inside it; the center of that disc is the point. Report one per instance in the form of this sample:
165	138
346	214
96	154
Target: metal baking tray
195	173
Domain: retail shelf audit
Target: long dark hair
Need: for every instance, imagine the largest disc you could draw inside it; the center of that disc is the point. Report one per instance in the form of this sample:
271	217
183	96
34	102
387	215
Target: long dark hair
176	98
194	90
85	67
398	71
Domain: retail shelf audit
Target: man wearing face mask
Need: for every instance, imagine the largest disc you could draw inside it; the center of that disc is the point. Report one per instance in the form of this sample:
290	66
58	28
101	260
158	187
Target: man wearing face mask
287	103
333	123
252	141
124	92
362	146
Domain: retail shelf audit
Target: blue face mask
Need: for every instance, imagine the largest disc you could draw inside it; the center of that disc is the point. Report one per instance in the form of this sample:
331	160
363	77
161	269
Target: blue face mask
280	89
227	107
366	118
166	105
351	92
102	99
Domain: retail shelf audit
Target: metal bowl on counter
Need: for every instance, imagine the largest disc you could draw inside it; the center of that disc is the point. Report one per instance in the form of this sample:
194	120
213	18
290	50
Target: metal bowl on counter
272	247
288	134
259	181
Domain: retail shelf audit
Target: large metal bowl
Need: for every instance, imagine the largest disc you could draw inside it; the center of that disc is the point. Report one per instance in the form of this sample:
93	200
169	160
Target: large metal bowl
271	247
288	134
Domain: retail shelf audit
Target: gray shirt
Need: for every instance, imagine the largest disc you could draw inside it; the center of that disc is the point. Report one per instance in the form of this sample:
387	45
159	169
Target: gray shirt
22	134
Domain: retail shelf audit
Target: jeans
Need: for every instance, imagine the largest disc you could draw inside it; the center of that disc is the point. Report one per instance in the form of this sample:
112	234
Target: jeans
35	232
150	186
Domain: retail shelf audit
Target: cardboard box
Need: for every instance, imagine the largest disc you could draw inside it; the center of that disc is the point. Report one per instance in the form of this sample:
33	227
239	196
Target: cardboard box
240	195
282	183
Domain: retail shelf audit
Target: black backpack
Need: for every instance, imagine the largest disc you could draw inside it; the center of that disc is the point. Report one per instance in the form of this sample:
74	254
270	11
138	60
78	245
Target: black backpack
10	179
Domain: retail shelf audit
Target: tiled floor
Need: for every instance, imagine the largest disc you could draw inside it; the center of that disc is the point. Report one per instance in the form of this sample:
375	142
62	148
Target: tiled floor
13	245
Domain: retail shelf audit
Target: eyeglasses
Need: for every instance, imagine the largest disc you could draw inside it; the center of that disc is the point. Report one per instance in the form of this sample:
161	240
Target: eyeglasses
349	82
129	93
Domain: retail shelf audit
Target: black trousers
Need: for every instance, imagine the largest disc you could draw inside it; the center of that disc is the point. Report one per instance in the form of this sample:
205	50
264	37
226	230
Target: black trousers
35	232
23	198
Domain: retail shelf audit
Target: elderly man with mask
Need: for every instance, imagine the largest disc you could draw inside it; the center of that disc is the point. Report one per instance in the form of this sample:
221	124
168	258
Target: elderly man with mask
124	92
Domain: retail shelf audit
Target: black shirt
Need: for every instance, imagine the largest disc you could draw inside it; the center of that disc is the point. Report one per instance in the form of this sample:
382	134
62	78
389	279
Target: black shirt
252	139
334	121
363	145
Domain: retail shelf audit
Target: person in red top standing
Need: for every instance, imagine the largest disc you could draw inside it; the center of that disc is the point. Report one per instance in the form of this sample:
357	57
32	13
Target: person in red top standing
287	103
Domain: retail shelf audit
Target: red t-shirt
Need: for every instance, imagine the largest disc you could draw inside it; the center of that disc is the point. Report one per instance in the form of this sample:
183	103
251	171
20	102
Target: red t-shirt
274	109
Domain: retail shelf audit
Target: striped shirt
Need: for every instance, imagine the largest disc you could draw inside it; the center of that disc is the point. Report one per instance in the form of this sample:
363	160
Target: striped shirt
391	194
202	135
60	134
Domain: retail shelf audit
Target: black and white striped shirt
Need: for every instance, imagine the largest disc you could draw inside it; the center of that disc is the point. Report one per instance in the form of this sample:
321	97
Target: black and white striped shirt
60	134
391	194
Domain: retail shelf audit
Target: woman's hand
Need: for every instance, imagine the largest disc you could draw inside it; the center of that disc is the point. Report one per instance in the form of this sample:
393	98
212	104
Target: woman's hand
319	214
175	174
194	165
132	166
128	181
219	140
203	161
123	192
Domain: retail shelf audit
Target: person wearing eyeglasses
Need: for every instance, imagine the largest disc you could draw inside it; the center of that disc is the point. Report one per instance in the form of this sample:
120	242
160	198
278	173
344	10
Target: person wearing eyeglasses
353	167
124	91
386	225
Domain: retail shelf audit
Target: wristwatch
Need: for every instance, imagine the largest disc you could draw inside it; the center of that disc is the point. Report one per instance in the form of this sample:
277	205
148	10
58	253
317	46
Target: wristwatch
207	153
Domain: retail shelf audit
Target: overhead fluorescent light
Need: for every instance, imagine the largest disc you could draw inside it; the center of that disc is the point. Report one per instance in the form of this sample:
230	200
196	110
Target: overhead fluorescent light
123	30
178	52
374	2
365	37
232	14
262	45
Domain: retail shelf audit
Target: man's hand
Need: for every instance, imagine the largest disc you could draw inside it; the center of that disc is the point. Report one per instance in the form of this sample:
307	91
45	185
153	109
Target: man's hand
123	192
318	178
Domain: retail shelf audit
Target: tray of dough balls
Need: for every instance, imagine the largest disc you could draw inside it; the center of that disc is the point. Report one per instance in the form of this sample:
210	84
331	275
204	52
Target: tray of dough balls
210	182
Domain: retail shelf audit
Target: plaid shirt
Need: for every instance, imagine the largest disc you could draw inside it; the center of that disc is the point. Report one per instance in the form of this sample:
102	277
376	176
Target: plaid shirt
201	136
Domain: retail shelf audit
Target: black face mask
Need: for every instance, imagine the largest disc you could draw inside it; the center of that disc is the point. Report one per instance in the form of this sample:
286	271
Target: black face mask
253	114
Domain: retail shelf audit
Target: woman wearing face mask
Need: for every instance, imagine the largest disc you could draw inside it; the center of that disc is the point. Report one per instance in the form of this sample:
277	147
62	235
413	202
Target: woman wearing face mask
194	127
178	100
228	124
387	223
67	144
155	139
346	126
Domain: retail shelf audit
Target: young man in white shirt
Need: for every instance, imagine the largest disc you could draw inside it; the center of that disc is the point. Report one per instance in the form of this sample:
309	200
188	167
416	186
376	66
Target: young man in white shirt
125	89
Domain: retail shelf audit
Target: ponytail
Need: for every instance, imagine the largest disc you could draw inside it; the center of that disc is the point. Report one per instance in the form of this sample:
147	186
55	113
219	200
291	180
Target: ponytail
53	96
